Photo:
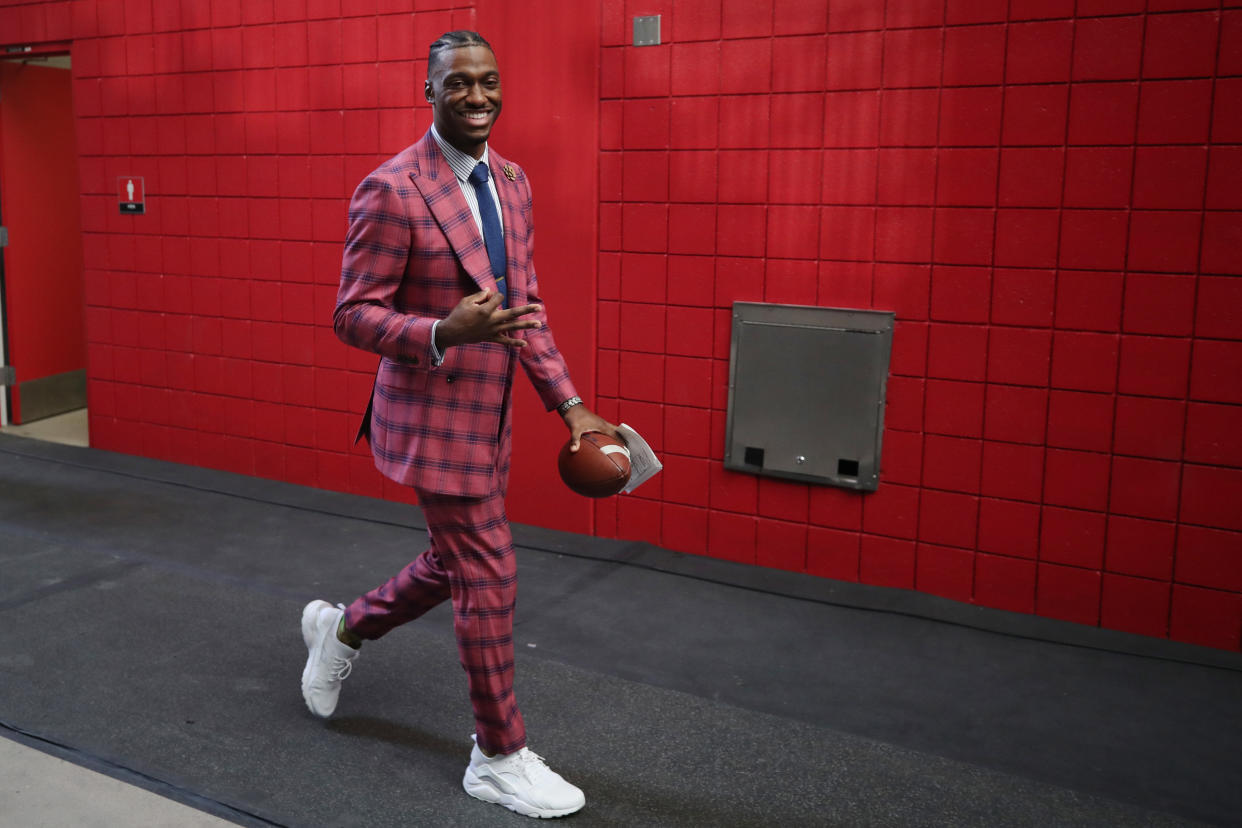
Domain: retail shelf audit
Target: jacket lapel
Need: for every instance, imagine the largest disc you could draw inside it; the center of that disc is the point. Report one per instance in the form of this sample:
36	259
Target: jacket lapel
435	180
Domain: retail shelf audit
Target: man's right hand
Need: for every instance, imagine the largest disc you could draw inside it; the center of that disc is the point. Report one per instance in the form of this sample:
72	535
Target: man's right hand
479	318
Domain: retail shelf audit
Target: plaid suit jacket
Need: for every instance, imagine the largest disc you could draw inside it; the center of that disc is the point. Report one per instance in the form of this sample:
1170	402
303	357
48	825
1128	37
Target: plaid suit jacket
411	253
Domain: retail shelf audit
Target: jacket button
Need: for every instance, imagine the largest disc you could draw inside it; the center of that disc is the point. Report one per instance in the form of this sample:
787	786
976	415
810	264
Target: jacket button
449	379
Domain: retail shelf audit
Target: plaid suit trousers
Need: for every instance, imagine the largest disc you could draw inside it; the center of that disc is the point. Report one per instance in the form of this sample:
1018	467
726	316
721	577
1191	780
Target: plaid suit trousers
471	561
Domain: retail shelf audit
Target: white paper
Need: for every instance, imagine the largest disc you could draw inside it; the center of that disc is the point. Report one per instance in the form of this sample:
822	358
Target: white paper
644	465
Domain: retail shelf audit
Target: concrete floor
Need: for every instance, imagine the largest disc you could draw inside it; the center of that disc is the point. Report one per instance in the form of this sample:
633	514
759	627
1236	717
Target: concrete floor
677	690
70	429
40	790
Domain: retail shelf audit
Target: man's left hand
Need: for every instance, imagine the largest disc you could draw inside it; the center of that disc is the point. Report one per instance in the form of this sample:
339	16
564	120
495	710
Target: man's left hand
580	419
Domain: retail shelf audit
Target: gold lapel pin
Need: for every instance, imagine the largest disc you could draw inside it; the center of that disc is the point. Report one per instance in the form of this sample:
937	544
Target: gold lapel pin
509	172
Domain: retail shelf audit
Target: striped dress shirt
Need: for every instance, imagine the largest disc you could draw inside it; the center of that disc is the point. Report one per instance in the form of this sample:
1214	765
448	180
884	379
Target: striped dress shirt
462	165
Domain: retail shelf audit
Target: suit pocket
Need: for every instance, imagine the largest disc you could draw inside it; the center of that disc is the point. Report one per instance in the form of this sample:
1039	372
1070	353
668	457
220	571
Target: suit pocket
399	379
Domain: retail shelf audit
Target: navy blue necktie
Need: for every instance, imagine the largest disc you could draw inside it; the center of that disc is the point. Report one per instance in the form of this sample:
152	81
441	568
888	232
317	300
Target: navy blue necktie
493	237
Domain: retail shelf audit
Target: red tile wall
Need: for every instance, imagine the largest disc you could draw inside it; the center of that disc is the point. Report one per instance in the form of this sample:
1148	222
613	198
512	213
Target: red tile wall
209	340
1046	194
252	123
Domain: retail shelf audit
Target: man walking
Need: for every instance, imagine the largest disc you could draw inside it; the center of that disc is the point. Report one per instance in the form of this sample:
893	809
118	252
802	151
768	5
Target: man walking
437	279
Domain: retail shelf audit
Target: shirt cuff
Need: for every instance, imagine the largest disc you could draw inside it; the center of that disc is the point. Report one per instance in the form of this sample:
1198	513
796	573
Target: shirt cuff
436	356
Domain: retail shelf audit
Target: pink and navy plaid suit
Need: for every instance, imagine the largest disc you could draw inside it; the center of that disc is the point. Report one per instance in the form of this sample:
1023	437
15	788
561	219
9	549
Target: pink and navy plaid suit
412	252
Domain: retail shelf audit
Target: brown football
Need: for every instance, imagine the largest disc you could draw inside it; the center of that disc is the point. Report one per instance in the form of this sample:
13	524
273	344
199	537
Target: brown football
600	468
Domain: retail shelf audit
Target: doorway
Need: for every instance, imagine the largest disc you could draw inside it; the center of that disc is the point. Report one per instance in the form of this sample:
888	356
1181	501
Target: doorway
42	285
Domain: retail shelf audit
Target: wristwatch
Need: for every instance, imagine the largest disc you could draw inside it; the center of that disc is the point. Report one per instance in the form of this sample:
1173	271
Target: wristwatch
568	404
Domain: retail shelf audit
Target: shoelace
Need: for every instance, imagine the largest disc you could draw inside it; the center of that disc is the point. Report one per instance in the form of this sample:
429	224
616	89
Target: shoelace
341	667
533	764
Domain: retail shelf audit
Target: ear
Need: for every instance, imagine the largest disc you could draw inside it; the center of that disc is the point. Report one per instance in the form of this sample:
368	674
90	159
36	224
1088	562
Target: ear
427	93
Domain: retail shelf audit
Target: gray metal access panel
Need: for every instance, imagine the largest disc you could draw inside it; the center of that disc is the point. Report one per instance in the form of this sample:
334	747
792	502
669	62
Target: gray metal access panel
806	393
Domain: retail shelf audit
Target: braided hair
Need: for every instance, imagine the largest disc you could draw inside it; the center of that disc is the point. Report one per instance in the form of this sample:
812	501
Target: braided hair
454	40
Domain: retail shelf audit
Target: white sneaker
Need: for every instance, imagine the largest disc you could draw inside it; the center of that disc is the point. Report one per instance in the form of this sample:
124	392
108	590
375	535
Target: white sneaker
327	661
521	782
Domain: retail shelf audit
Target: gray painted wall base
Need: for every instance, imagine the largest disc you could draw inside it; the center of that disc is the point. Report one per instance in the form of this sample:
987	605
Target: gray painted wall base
49	396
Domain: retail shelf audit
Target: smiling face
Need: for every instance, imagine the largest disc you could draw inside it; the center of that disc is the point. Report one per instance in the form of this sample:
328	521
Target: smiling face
463	87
